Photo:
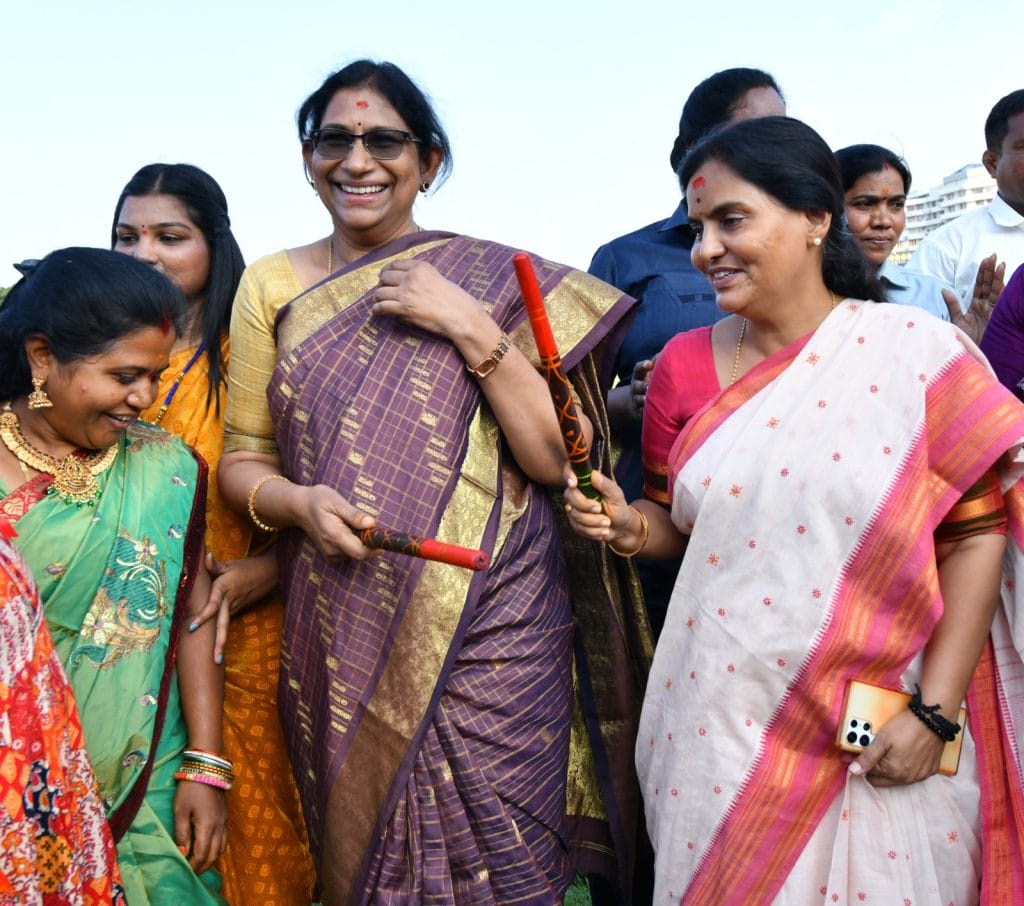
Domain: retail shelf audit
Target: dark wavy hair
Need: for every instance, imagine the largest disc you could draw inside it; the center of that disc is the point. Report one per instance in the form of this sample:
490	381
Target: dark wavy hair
789	161
204	202
82	301
857	160
712	103
997	124
401	92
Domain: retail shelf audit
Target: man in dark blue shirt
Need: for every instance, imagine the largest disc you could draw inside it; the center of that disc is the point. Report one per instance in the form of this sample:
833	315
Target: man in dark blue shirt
653	265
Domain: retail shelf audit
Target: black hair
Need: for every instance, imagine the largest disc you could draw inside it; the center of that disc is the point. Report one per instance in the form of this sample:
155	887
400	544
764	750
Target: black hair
713	102
857	160
204	202
789	161
998	122
401	92
82	301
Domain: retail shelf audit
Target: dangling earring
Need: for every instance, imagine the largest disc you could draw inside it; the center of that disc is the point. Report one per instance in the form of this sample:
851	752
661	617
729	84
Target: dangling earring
38	399
817	240
424	186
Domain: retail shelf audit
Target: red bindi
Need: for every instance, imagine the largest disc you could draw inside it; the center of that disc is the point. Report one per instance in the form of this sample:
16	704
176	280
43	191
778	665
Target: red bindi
698	182
143	230
362	105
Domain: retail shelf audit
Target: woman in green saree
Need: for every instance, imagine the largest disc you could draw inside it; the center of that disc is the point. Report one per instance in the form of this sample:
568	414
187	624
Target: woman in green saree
109	516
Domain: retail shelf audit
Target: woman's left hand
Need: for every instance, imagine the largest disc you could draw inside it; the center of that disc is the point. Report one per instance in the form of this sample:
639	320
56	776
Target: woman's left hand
200	823
904	751
415	292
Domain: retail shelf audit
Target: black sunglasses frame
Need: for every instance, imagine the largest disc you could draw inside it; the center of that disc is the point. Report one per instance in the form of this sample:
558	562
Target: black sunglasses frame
317	136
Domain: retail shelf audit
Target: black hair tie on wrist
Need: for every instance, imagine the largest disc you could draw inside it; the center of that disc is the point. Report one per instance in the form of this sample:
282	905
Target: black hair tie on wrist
929	716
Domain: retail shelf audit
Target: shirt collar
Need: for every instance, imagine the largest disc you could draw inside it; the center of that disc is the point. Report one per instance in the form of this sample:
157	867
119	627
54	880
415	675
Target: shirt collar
1003	214
894	274
678	219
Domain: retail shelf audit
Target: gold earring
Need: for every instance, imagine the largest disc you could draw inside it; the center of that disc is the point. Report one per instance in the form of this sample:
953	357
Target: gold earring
38	399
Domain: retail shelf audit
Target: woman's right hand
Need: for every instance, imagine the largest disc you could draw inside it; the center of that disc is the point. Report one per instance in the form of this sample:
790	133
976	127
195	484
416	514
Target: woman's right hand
609	519
331	522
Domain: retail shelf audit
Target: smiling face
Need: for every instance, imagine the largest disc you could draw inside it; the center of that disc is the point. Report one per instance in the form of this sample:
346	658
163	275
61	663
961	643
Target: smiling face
96	398
875	213
755	251
370	200
156	230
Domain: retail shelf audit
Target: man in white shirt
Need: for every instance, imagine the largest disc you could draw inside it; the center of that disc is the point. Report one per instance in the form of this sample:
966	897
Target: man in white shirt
984	244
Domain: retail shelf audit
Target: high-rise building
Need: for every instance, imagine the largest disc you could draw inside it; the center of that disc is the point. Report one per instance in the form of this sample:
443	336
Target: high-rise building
969	187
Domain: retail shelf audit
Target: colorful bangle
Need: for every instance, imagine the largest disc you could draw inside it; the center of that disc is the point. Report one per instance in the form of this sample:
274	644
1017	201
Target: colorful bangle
207	779
273	476
645	531
930	717
200	766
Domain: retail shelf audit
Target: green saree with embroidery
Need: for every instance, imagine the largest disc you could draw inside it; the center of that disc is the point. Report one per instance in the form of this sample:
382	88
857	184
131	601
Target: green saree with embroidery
114	579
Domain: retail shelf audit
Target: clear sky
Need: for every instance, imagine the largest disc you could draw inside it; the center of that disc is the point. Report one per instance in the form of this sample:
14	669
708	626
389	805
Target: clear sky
561	114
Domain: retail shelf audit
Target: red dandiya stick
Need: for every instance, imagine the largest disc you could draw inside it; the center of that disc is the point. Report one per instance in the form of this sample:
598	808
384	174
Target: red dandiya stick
424	548
551	363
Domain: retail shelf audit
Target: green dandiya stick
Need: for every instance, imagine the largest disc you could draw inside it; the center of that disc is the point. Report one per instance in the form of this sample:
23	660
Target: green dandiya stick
551	366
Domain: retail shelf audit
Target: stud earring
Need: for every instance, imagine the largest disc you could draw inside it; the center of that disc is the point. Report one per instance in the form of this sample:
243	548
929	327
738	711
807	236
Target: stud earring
424	186
38	399
817	240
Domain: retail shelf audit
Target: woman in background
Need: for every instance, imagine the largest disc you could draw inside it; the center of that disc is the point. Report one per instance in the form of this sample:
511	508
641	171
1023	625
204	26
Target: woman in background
876	183
174	217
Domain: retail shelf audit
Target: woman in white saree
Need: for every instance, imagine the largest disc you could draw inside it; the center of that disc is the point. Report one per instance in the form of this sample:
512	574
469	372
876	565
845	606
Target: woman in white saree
832	464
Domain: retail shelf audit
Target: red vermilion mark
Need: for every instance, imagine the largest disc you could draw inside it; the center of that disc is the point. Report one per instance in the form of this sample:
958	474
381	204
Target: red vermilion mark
143	230
362	105
698	182
165	325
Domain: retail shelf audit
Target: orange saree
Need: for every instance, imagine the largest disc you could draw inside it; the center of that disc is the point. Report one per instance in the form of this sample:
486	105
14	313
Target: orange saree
267	859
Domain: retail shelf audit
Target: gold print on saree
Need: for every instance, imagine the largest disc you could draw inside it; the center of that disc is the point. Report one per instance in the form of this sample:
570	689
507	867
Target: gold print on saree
129	608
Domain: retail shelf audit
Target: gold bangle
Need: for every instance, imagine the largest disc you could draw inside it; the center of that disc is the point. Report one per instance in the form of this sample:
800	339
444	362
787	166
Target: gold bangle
645	531
486	366
252	500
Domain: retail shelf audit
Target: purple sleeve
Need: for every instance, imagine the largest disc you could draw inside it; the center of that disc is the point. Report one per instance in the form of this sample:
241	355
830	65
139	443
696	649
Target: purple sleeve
1003	340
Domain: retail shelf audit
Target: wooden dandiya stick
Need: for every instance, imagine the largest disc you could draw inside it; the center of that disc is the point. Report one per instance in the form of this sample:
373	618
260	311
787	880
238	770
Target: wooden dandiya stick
424	548
551	364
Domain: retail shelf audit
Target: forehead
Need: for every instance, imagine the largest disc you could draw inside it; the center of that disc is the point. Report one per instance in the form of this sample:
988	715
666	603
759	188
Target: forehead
1015	130
140	209
351	107
877	183
146	348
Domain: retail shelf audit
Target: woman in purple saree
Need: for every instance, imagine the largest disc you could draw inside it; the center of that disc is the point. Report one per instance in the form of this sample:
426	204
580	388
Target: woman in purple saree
428	710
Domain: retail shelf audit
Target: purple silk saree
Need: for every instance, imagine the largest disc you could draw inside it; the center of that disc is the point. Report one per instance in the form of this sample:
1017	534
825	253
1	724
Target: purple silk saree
427	708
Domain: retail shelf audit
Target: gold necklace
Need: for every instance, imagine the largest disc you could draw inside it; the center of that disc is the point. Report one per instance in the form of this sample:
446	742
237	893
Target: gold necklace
74	476
743	331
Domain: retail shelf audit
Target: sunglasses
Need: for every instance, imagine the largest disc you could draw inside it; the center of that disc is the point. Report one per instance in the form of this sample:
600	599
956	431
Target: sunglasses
380	144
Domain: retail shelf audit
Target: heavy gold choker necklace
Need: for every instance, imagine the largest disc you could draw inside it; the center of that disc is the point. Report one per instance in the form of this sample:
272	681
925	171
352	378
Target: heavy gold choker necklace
74	476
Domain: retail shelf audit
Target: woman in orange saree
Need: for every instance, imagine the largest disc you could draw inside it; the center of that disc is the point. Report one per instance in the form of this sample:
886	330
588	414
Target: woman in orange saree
175	217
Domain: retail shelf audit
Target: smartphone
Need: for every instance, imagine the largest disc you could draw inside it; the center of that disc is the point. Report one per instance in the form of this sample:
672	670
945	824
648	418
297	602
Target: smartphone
866	710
